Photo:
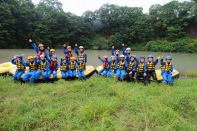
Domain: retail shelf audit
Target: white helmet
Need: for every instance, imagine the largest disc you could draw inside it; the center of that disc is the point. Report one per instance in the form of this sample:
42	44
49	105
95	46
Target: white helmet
128	49
81	47
121	56
112	56
42	56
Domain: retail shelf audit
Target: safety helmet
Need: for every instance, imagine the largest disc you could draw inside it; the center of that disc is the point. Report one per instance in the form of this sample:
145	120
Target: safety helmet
41	45
54	57
142	57
105	57
168	57
81	47
122	56
81	59
30	57
150	56
52	50
112	56
68	47
117	50
72	58
17	56
128	49
42	55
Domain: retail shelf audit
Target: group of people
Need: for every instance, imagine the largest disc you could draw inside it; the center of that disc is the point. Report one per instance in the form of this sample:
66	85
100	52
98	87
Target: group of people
124	66
128	66
45	64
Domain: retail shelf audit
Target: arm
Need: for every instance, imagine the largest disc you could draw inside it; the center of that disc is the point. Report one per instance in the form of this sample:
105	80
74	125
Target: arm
137	61
112	51
156	61
76	51
13	61
65	51
145	68
101	59
162	62
35	47
85	58
48	59
123	51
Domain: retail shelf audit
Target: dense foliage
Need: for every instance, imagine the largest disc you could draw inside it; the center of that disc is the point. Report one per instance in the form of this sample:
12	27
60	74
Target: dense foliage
111	24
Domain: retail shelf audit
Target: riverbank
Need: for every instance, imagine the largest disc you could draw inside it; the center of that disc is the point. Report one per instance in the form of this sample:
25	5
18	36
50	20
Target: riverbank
98	104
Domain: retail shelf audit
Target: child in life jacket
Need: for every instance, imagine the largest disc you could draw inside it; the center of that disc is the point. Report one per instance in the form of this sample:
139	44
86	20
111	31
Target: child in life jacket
142	70
67	51
40	49
168	69
42	68
64	68
51	52
80	53
131	68
72	68
105	65
120	73
151	63
30	74
112	66
20	65
126	52
81	68
53	67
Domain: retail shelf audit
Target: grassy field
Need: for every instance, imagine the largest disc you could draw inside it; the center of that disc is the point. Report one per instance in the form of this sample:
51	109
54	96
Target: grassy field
98	104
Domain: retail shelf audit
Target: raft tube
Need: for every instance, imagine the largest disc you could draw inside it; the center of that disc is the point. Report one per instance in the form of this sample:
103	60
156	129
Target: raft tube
175	73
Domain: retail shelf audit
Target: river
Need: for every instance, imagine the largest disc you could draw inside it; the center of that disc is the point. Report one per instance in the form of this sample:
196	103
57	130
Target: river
183	62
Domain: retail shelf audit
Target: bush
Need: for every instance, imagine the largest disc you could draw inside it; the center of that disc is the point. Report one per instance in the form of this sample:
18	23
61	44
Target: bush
182	45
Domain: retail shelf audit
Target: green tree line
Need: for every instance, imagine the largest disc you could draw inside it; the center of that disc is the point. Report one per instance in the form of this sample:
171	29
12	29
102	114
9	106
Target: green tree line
162	29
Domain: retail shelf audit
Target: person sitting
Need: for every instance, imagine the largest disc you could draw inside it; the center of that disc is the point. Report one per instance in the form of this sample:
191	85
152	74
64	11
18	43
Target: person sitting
112	66
142	70
64	68
151	63
120	73
80	53
131	68
20	66
126	52
30	74
80	68
51	52
167	75
53	67
105	65
42	68
67	51
40	49
72	68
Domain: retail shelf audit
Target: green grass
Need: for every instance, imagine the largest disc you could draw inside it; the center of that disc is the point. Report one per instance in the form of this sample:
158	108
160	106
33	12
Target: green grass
98	104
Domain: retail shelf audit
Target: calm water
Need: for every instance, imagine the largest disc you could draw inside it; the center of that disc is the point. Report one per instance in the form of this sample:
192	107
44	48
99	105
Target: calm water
182	61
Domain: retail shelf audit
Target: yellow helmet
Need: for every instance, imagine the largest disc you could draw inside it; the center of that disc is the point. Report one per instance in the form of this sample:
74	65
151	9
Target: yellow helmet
72	58
30	57
52	50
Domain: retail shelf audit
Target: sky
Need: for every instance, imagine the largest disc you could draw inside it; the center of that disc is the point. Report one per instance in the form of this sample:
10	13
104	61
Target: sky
79	6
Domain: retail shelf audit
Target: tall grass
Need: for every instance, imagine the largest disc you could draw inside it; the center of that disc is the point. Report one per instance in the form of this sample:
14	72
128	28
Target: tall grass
98	104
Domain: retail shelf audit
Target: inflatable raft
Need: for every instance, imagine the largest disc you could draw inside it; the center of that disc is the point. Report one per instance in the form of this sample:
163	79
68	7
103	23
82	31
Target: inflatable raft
9	68
175	73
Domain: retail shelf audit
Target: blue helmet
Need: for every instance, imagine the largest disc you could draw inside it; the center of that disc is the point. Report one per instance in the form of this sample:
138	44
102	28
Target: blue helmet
150	56
81	59
168	57
142	57
54	57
